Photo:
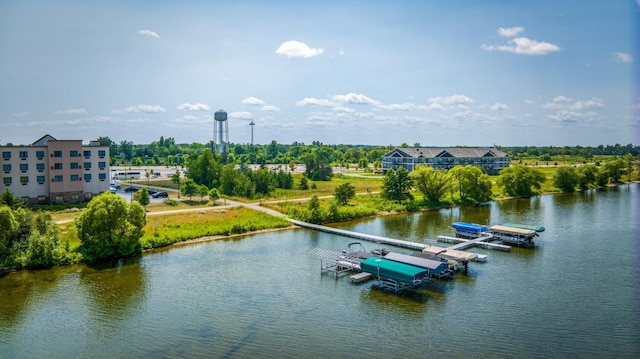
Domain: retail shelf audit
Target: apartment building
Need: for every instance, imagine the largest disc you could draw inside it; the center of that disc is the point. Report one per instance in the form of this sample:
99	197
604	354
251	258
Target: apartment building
53	171
491	159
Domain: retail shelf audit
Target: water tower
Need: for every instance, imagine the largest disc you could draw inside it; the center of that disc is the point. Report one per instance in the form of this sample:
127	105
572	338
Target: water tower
221	132
252	124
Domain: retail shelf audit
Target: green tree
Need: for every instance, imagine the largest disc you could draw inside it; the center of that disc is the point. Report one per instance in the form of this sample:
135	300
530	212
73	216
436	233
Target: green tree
566	179
432	183
315	211
587	175
214	195
203	190
189	188
602	178
7	199
520	180
304	184
110	227
175	177
8	226
472	182
344	193
318	165
396	185
142	197
615	169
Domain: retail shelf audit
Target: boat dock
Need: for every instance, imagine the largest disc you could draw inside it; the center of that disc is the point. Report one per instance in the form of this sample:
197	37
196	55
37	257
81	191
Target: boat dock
482	242
362	236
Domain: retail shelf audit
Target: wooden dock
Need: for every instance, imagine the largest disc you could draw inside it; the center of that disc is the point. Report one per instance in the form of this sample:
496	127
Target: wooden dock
462	243
362	236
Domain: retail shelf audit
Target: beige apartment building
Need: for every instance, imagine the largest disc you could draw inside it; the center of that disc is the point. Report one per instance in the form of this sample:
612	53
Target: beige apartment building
55	171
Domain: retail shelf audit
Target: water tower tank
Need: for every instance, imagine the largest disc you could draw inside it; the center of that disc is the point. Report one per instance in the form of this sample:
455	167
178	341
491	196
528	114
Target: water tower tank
221	132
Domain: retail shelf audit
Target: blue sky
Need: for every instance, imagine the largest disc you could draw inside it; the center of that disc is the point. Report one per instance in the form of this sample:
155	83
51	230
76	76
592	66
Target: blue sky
438	73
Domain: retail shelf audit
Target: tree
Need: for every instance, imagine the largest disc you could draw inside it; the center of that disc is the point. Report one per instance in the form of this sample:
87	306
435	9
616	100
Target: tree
7	199
473	183
304	184
189	188
587	175
175	178
9	226
142	197
318	165
432	183
315	212
110	227
566	179
203	190
520	180
344	193
614	169
396	185
214	195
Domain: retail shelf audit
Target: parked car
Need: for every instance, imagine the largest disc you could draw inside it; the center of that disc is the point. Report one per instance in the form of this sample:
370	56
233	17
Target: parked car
131	189
115	185
151	192
160	195
113	189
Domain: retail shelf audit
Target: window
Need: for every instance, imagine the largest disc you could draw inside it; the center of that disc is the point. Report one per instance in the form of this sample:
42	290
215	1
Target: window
87	177
6	155
40	167
6	168
102	176
24	167
57	166
75	178
41	179
87	153
73	153
24	179
75	165
42	199
24	154
57	179
40	154
6	181
102	153
59	198
102	165
74	197
57	153
87	165
87	195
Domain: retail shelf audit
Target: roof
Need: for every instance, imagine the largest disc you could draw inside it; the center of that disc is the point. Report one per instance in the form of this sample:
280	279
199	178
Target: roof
42	141
432	265
446	152
513	230
469	227
525	226
400	272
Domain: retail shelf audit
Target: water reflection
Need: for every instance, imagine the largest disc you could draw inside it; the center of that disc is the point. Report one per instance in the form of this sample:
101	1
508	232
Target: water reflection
114	288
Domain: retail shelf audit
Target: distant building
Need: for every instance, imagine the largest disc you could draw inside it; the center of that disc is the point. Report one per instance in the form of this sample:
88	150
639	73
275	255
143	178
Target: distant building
55	171
491	159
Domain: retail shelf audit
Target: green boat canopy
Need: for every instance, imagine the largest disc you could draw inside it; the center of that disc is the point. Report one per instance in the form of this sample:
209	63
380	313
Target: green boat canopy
399	272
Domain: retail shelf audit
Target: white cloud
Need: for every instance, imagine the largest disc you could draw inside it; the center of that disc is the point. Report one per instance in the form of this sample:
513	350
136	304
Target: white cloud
20	114
343	109
510	31
498	107
524	46
590	103
297	49
241	115
149	33
140	108
71	111
622	57
353	98
190	107
562	99
270	108
530	102
451	100
310	101
566	116
253	101
399	106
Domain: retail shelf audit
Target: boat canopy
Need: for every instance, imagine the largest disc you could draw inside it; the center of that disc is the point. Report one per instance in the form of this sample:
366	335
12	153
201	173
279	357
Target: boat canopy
399	272
432	266
525	226
471	227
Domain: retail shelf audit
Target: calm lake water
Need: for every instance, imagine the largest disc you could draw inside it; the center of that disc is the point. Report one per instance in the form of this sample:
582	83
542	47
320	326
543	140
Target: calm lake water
577	294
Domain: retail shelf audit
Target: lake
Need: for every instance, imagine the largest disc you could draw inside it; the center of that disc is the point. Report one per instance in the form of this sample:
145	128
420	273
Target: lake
577	294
